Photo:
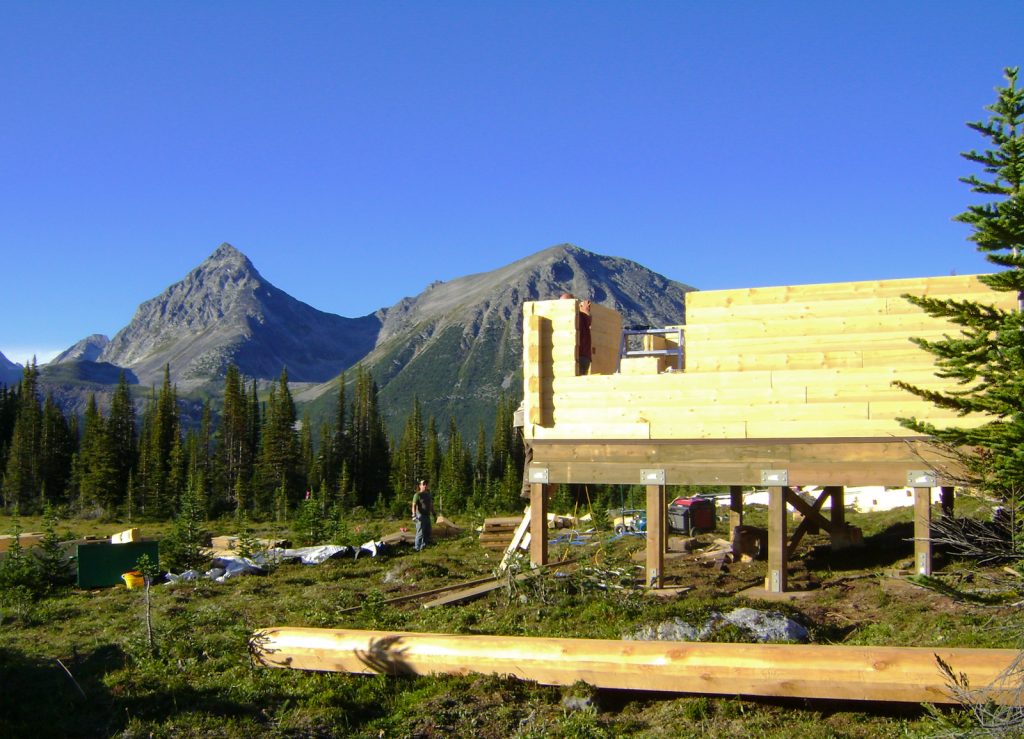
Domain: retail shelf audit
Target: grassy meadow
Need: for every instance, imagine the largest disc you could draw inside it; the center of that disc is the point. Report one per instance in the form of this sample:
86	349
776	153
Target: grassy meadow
100	663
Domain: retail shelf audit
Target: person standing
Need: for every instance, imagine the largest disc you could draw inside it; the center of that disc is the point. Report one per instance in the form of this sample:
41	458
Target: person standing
422	513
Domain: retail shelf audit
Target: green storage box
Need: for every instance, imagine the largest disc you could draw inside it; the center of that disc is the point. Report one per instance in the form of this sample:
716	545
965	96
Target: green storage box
102	564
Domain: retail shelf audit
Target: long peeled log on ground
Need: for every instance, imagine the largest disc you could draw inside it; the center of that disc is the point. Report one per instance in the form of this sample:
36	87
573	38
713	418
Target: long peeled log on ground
906	674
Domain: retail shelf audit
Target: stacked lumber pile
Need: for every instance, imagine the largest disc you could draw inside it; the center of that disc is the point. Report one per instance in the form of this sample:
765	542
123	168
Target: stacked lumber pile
496	533
229	544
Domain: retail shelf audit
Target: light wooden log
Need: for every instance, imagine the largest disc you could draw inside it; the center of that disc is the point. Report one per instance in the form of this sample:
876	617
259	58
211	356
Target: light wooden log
817	318
903	674
957	285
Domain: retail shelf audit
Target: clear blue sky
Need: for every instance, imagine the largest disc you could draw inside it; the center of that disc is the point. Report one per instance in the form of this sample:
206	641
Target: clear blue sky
357	151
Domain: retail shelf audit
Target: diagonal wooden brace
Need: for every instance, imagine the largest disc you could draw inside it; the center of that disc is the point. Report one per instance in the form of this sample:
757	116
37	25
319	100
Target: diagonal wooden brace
811	514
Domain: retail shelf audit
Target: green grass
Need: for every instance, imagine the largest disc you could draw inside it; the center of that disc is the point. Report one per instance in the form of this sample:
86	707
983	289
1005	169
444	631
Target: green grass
198	679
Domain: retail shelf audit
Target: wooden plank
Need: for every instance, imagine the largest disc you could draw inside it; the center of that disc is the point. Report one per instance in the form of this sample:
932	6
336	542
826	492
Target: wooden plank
930	286
700	362
901	674
855	461
25	540
700	317
424	593
517	538
486	587
584	430
819	319
795	343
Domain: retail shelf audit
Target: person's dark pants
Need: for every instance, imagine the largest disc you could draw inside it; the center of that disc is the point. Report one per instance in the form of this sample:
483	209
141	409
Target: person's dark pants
422	532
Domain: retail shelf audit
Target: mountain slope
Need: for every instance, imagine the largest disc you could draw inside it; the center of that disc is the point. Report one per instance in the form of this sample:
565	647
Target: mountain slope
224	311
458	345
10	373
88	350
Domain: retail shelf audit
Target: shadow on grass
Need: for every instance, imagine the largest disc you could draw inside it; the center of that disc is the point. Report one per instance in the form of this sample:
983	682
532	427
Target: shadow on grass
884	549
82	697
42	698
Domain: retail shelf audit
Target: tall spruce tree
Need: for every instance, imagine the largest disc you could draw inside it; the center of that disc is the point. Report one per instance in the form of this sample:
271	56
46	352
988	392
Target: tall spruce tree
431	451
280	454
338	456
97	469
987	358
8	414
408	460
160	436
123	435
235	443
22	475
453	485
58	446
370	466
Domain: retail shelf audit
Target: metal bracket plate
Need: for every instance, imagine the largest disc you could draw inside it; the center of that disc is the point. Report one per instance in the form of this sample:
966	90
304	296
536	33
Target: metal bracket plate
921	479
539	475
652	477
775	477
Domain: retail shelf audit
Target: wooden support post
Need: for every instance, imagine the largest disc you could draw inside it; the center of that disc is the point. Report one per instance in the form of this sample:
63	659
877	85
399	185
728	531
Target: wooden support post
923	531
775	582
657	535
538	525
735	507
947	501
838	516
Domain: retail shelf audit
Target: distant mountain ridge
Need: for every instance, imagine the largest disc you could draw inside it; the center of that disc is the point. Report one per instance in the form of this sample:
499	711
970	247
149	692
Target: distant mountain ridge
10	372
457	346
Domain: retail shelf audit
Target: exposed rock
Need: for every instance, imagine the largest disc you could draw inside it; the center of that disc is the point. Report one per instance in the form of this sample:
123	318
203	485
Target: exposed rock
225	312
88	350
762	626
767	626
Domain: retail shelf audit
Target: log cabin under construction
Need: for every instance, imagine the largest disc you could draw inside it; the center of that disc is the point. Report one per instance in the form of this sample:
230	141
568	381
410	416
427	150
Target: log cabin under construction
776	387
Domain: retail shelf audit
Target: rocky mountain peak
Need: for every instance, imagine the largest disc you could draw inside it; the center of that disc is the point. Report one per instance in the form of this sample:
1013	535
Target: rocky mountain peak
224	311
88	349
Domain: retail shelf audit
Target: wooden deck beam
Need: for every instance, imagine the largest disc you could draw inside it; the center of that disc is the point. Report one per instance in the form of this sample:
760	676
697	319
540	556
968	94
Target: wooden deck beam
902	674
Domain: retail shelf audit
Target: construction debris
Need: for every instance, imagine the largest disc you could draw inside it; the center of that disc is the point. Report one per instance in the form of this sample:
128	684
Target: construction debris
126	537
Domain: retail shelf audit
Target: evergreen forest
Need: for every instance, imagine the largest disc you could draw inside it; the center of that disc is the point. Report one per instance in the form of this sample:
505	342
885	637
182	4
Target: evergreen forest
254	458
